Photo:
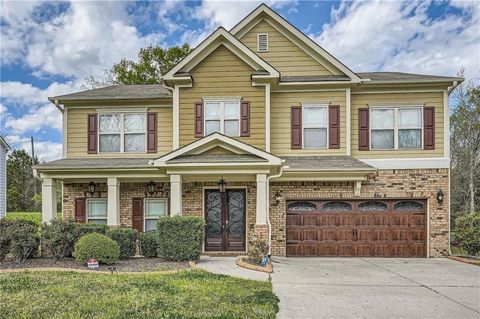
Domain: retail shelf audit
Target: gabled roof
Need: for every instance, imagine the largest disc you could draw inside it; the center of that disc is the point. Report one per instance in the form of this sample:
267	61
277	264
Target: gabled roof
196	152
118	92
263	9
217	38
4	143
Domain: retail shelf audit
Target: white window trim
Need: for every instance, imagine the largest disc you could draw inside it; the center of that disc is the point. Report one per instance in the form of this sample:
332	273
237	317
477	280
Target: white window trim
122	132
258	42
222	114
89	219
145	218
310	106
396	126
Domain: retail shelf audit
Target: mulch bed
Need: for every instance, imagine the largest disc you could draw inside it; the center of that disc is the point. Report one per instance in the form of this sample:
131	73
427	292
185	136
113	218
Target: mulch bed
129	265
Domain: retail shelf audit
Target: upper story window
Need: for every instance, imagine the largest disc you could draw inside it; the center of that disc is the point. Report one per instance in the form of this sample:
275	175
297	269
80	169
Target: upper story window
122	132
222	117
262	42
395	128
315	126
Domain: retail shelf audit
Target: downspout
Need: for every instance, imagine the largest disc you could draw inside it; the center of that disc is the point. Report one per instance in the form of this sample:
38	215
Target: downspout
268	207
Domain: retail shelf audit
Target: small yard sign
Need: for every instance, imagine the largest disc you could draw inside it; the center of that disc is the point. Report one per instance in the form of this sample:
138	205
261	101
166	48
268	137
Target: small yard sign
92	263
264	261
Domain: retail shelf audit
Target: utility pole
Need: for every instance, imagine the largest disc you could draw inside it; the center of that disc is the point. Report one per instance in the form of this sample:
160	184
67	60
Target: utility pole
33	163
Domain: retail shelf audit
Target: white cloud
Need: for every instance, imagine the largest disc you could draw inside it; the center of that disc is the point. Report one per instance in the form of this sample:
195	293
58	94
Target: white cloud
400	36
34	120
44	150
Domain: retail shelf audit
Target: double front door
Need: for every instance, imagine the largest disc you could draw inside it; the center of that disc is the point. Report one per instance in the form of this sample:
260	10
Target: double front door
225	219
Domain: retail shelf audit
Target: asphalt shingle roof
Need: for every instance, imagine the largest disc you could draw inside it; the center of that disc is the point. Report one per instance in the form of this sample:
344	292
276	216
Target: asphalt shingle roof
94	163
118	92
405	77
324	163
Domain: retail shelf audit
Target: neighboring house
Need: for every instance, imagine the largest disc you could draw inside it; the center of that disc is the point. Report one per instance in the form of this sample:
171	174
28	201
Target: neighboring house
4	148
264	133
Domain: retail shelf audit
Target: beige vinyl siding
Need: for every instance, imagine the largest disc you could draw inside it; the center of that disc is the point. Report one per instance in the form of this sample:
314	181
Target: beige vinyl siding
280	120
283	54
222	73
77	133
424	98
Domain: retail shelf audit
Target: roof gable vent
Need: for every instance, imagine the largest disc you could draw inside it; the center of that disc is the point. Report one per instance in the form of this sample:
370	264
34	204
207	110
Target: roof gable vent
262	42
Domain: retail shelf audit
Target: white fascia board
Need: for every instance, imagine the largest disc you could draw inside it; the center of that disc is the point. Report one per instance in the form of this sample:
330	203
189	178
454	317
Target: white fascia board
236	30
408	163
229	41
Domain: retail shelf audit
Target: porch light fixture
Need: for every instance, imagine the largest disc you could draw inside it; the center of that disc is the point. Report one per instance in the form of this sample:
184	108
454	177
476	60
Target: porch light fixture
91	188
151	188
278	197
440	196
222	185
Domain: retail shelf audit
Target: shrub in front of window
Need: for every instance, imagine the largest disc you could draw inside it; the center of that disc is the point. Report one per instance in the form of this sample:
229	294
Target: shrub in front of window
4	238
148	244
89	228
126	239
24	240
180	237
59	237
467	232
105	250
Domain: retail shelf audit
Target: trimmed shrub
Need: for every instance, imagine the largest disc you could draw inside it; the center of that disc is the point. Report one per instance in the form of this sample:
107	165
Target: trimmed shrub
148	244
88	228
4	238
180	237
98	246
24	240
467	232
126	239
257	249
35	219
59	237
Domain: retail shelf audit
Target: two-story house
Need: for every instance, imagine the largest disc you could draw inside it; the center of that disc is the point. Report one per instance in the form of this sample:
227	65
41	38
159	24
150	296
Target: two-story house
264	133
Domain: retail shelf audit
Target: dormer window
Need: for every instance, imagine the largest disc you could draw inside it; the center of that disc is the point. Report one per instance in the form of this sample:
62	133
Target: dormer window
262	42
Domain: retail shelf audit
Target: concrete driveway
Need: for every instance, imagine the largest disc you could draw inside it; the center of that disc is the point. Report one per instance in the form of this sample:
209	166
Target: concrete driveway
376	288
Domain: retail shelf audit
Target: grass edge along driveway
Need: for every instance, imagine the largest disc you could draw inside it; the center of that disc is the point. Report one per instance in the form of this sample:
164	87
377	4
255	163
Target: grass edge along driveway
186	294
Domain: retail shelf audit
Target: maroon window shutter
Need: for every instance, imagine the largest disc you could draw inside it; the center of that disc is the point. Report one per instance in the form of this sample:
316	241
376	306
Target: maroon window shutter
429	128
92	134
334	126
151	132
363	128
245	119
80	210
199	119
137	214
296	118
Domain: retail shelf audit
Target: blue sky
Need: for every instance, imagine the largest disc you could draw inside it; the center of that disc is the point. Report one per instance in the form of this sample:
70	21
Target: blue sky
48	48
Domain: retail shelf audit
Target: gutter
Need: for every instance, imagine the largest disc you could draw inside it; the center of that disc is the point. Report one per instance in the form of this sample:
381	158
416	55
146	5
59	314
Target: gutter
57	105
268	208
453	87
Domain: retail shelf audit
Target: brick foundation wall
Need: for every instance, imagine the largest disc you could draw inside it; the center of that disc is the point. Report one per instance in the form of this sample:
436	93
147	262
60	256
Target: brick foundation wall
418	183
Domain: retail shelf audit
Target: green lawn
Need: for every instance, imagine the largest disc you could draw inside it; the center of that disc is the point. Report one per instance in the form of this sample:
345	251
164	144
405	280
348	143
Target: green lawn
34	216
187	294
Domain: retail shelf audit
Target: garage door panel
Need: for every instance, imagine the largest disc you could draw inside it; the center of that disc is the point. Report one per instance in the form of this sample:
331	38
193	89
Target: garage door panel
370	228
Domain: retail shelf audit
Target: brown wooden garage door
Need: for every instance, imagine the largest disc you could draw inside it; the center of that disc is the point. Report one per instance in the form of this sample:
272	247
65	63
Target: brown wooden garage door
375	228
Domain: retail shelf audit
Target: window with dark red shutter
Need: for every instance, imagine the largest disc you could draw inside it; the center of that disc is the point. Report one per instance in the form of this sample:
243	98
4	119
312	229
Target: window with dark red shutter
296	119
334	126
92	134
80	210
137	214
245	118
429	128
199	119
363	129
151	132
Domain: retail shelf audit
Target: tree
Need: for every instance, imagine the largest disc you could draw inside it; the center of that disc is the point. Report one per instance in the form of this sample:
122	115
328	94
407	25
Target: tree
465	149
20	181
153	63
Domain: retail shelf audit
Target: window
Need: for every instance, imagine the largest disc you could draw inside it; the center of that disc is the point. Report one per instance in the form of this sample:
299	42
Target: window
395	128
262	42
315	126
154	208
222	117
97	210
122	133
337	207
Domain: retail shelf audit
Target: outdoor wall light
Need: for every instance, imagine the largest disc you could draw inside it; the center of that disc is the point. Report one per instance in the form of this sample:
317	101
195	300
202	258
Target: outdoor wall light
151	188
278	197
440	196
91	188
222	185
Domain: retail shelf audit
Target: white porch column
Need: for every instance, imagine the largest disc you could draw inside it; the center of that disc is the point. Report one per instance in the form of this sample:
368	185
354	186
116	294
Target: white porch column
113	202
175	195
49	200
262	198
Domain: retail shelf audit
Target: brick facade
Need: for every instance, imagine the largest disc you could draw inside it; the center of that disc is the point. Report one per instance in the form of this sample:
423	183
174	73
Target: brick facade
417	183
